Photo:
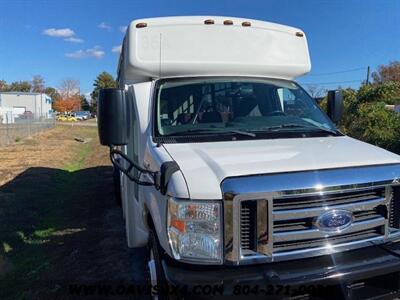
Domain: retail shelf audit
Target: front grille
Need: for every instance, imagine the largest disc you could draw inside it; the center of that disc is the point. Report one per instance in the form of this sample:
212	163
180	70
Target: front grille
375	213
294	219
394	215
310	201
292	215
248	238
316	243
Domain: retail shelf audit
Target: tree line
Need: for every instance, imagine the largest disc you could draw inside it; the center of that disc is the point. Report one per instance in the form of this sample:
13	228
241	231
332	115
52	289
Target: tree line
67	96
367	116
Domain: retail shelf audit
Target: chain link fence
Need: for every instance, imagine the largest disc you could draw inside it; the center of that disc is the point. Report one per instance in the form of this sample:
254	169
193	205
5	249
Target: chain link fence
14	127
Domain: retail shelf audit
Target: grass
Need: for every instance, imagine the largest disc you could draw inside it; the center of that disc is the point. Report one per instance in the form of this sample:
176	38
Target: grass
44	233
77	162
7	248
28	259
35	225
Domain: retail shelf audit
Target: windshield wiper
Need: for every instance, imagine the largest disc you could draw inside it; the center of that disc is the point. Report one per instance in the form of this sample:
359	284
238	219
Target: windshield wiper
293	125
213	130
330	131
242	132
282	126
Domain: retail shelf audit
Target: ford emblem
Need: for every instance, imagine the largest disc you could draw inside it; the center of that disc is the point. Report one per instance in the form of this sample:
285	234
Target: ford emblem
334	220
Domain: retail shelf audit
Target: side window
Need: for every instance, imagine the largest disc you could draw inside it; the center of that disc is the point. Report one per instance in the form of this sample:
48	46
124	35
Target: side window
291	104
175	104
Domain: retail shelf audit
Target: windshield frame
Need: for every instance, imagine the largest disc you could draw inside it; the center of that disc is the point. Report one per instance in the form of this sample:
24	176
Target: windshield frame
217	136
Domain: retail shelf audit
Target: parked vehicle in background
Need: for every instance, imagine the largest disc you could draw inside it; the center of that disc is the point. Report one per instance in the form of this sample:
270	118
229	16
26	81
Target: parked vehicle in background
231	174
26	115
80	115
66	118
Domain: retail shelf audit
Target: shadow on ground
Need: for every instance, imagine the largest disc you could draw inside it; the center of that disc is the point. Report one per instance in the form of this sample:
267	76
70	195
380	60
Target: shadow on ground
58	228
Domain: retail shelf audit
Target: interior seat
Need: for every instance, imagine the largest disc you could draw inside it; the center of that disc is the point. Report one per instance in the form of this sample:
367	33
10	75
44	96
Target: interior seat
245	106
211	117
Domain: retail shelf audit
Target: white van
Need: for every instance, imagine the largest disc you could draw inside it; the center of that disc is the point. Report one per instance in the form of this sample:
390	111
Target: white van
230	172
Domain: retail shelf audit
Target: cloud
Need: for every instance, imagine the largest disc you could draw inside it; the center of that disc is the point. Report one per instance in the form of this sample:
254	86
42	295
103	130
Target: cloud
95	52
63	32
116	49
66	33
74	40
123	28
104	26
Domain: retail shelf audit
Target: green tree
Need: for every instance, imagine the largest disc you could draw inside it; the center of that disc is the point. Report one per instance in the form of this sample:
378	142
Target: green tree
374	123
349	109
20	86
367	118
52	92
388	92
84	103
102	81
3	86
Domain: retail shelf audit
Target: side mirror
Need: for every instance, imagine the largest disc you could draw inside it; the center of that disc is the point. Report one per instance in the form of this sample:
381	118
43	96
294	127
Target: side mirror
335	105
112	115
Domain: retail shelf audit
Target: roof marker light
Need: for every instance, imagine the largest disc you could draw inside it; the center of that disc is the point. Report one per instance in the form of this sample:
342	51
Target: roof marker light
228	22
299	34
209	22
141	25
246	24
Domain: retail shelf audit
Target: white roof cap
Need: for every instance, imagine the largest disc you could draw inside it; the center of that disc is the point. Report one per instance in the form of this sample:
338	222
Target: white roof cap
187	46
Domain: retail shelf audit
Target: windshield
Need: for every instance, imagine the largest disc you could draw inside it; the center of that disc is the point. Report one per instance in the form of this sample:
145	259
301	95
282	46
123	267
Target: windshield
250	107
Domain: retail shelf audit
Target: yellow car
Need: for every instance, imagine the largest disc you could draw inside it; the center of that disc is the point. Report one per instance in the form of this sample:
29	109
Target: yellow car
71	118
66	118
61	118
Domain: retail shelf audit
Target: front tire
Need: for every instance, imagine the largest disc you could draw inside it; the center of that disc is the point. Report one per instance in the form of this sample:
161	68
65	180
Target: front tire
157	277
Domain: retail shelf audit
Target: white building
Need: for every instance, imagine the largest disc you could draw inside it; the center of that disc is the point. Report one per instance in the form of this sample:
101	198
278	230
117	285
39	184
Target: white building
17	103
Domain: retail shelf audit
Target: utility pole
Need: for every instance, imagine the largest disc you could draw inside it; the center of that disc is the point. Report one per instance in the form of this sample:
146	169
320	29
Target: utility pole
368	71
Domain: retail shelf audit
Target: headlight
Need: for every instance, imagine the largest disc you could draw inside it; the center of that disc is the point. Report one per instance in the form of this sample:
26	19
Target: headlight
194	230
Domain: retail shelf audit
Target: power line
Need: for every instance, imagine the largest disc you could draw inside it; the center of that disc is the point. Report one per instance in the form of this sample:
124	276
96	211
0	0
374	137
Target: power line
332	82
338	72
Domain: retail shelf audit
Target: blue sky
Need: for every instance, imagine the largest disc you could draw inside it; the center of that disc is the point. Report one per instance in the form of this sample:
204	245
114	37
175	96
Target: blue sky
343	35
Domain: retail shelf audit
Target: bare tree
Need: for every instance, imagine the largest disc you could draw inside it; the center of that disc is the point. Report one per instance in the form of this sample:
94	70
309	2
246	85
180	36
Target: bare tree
390	72
315	91
38	84
69	87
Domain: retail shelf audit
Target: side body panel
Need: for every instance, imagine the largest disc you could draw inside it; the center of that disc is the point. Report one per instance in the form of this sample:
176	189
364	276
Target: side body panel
139	202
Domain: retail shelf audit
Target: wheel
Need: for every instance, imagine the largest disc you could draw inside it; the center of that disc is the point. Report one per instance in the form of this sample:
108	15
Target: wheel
117	187
156	272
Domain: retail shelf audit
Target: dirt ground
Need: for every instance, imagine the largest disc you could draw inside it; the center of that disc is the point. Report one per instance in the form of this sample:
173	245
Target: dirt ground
59	224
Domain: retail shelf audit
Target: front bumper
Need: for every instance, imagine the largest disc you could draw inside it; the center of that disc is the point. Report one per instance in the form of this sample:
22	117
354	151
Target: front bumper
359	274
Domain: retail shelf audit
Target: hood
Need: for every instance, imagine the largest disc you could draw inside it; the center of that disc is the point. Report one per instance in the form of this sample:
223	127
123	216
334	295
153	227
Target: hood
206	165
